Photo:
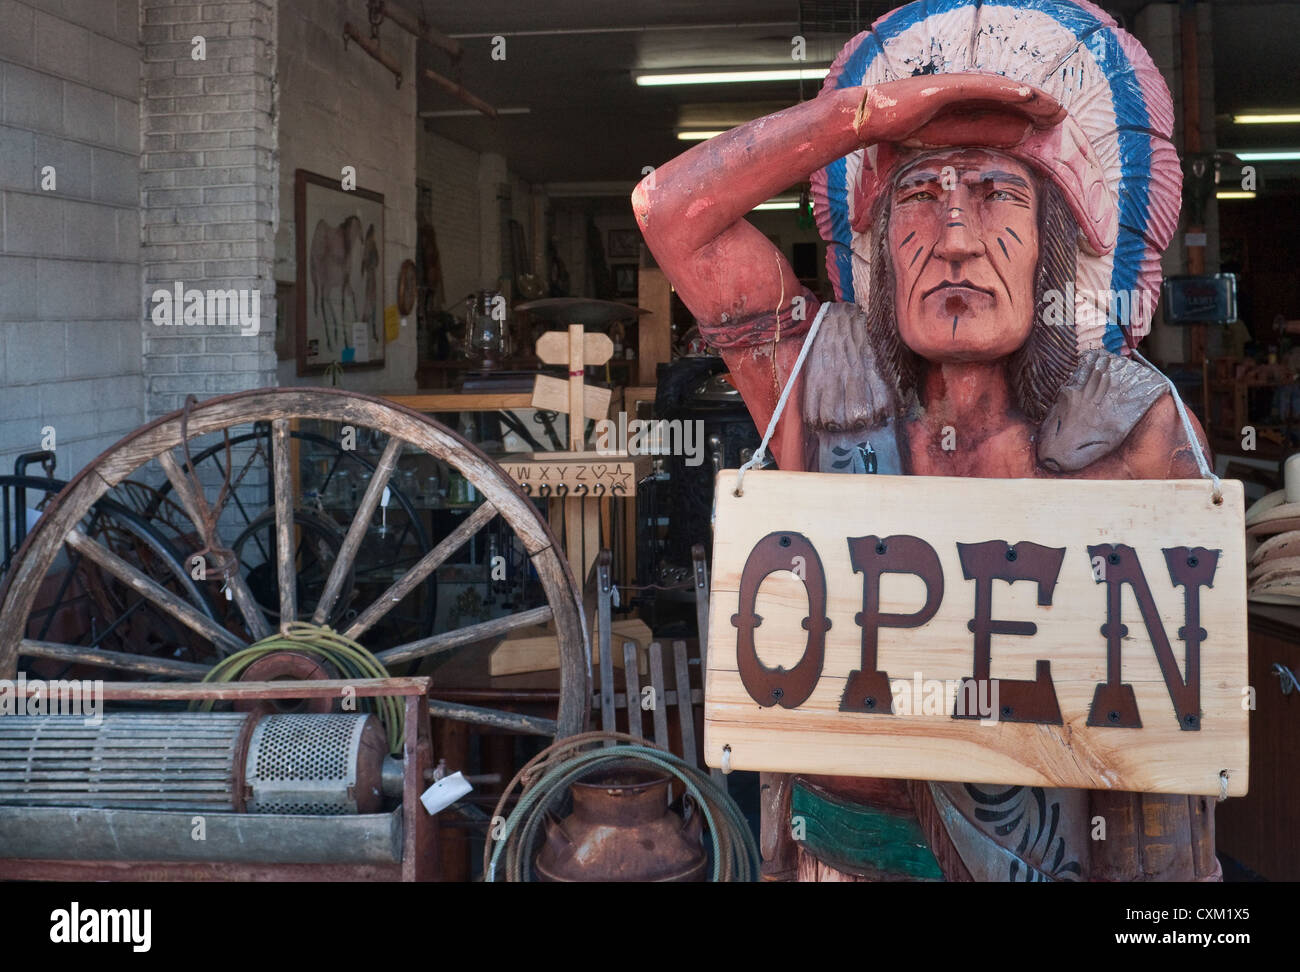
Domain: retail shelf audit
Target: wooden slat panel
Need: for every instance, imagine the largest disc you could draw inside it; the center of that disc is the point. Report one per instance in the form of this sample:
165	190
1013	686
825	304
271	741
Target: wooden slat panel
685	711
633	689
660	711
603	630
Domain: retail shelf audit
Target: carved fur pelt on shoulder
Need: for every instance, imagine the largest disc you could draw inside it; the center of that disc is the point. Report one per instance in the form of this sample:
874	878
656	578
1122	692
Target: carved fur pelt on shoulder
1094	412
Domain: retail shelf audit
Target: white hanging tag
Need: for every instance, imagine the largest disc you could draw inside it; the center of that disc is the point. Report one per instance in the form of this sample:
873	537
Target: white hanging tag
445	792
613	597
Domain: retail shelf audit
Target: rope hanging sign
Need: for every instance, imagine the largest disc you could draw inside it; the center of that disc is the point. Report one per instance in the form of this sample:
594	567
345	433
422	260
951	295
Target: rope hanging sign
867	630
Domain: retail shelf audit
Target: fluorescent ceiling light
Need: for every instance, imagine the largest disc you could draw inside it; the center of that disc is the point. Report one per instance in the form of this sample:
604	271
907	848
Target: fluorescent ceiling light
1234	194
778	204
697	136
1291	155
1280	118
471	112
733	77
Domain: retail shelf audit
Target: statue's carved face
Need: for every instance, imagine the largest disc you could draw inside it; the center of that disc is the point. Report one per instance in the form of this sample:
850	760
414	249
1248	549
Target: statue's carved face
963	240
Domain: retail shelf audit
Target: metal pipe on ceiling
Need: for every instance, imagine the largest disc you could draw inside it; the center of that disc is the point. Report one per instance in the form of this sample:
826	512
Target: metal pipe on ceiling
373	49
455	90
417	26
565	31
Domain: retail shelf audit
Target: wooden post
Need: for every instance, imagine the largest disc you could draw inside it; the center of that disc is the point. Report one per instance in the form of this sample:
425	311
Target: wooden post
1192	146
655	330
577	407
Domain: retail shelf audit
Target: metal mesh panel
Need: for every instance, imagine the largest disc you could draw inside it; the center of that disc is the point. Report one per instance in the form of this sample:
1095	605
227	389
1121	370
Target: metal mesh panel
300	763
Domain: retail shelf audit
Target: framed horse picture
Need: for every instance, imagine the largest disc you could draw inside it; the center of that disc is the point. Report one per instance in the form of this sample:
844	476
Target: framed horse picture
340	279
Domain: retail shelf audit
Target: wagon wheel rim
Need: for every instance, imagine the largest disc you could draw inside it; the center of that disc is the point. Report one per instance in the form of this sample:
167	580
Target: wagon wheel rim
161	440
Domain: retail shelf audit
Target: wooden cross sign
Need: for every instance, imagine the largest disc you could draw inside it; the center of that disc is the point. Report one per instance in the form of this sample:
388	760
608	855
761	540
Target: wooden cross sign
1019	631
577	350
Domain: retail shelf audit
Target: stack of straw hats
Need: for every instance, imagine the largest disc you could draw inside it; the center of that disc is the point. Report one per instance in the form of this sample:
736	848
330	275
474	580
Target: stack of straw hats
1273	531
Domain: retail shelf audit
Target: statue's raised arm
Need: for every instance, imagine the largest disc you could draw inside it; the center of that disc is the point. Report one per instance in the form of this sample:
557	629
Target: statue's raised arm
692	209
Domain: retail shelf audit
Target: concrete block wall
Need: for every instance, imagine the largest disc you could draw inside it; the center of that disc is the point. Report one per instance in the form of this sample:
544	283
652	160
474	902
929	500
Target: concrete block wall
451	171
70	340
340	107
208	189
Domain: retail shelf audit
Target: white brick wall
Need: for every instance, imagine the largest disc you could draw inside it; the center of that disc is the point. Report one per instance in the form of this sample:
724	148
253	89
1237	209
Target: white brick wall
208	189
69	272
340	108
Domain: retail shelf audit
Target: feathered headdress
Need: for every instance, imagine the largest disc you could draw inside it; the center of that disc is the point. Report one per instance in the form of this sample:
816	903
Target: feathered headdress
1112	158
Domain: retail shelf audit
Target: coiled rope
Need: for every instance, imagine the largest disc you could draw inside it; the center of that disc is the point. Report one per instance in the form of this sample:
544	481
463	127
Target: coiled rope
347	657
546	779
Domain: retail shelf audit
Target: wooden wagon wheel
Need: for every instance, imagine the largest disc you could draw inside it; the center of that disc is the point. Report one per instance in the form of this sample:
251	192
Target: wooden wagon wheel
161	441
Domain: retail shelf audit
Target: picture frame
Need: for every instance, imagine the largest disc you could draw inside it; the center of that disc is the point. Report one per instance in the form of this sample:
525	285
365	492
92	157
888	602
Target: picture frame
624	243
625	279
339	285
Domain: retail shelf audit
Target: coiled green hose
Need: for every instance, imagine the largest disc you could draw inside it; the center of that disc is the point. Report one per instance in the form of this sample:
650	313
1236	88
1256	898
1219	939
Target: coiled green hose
349	659
547	777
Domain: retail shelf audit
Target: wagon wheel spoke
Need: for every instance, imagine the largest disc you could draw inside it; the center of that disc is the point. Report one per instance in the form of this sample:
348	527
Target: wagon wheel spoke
534	725
243	597
147	587
119	660
426	566
467	635
285	551
357	530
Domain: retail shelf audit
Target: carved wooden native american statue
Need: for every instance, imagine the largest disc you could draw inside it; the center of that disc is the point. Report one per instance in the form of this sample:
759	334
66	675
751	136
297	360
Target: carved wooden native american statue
995	184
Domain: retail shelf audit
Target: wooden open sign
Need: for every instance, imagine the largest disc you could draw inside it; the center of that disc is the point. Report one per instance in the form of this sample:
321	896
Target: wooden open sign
1036	632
